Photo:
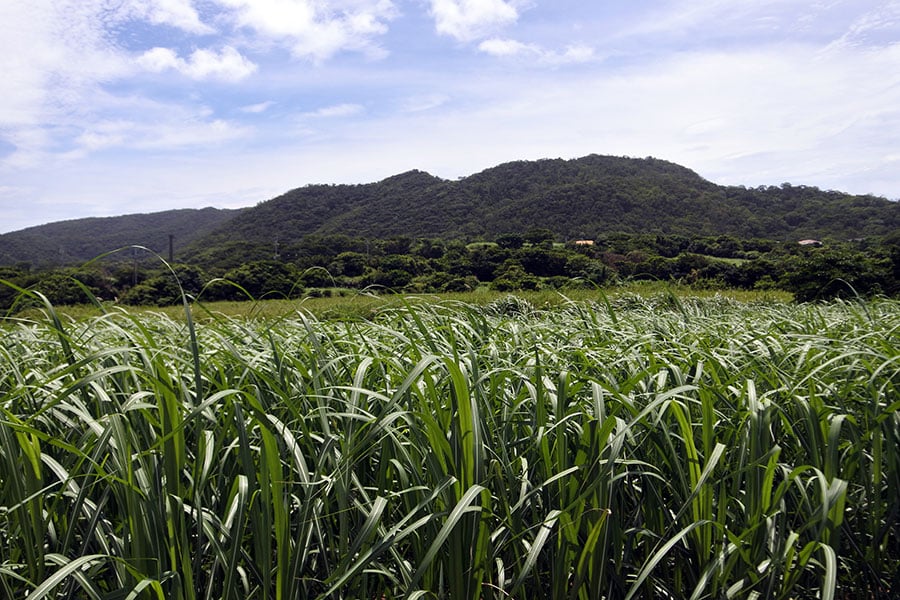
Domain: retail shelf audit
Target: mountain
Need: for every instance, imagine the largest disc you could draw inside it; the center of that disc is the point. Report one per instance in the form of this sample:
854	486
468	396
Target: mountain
580	198
80	240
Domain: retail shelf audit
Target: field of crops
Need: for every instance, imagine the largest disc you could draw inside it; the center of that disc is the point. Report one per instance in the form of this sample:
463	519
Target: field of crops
625	448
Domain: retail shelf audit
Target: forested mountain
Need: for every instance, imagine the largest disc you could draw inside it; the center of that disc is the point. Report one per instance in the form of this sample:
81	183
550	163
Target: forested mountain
581	198
80	240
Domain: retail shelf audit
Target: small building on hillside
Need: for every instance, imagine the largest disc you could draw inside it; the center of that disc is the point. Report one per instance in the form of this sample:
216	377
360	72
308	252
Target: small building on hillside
813	243
583	242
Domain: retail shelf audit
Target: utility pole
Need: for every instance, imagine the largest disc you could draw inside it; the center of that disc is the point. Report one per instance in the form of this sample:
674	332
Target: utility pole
171	248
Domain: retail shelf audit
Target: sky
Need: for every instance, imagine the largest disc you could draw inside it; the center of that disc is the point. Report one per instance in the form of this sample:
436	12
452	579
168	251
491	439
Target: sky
111	107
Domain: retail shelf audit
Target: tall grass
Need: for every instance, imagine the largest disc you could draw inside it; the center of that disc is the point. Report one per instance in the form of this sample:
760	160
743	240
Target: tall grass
630	448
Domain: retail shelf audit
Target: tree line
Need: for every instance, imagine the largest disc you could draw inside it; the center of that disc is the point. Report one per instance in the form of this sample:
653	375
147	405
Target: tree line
531	260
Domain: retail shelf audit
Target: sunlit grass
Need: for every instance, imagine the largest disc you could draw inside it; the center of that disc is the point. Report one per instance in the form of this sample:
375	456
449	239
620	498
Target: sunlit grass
601	446
343	304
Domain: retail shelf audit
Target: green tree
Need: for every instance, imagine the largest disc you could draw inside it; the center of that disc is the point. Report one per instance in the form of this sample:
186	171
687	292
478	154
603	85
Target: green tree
539	235
543	261
825	273
394	279
429	248
487	260
162	289
16	277
396	245
587	269
512	241
349	264
263	277
513	277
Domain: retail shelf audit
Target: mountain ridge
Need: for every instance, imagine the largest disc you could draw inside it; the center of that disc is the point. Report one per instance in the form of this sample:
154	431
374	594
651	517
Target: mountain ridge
80	240
577	198
581	198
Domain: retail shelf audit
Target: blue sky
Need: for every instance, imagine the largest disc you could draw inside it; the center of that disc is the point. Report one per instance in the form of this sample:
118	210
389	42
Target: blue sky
121	106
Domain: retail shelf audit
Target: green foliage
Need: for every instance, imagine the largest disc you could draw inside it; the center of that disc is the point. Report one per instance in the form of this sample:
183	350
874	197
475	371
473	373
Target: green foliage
441	281
538	235
824	273
581	267
513	241
429	248
512	276
395	245
81	240
317	277
543	261
166	287
349	264
256	280
392	279
837	269
540	201
62	288
486	261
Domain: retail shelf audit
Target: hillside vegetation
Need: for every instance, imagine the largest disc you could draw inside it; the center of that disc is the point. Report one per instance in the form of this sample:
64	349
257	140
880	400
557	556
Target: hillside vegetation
80	240
549	224
581	198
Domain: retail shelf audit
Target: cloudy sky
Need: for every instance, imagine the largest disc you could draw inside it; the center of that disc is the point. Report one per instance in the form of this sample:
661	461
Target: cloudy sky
121	106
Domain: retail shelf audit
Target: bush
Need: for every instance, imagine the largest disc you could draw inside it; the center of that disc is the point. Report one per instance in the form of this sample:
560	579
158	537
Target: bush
163	288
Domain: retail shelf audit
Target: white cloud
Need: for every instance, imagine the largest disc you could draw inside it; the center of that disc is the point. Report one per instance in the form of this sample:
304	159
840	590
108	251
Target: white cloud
9	190
258	108
882	23
103	135
191	133
316	29
762	116
52	54
737	22
423	102
180	131
338	110
700	21
227	65
160	59
577	53
176	13
507	48
31	146
467	20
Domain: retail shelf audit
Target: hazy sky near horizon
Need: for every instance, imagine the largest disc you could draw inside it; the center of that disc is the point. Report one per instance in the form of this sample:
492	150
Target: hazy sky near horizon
121	106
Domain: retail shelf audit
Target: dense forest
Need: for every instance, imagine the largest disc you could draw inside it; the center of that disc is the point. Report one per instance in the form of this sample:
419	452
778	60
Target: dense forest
80	240
523	225
576	199
534	260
